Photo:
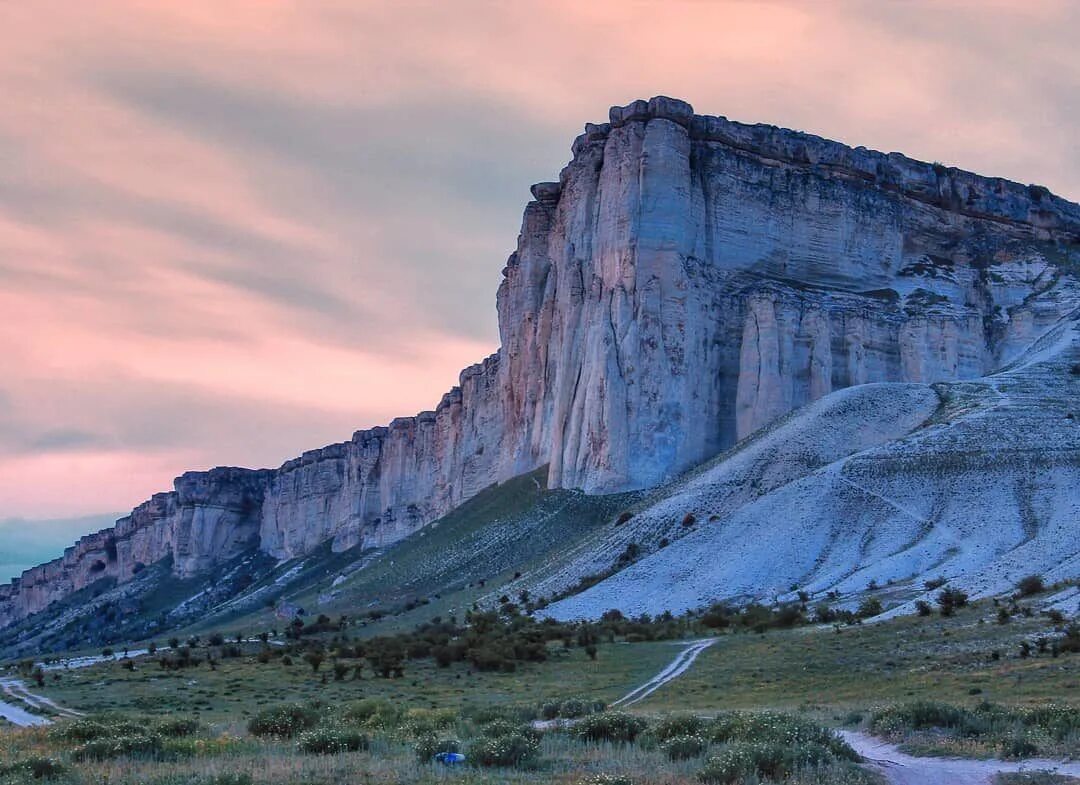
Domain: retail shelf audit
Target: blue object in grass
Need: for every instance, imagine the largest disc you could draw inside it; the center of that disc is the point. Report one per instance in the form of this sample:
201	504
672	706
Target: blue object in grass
450	758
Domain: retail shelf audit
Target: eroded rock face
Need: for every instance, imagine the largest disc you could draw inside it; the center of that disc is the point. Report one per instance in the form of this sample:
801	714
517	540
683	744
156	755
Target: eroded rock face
210	517
685	281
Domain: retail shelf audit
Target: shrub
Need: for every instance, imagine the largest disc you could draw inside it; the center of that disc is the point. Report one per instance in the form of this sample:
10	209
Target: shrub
371	713
623	517
935	583
689	520
117	746
510	749
425	722
177	726
91	728
573	708
924	608
613	726
1018	747
871	606
37	768
772	760
675	725
329	740
1029	585
684	747
776	727
284	721
950	600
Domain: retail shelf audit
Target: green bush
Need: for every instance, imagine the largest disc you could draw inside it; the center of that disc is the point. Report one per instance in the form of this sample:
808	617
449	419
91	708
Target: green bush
771	760
371	713
284	721
329	740
427	722
99	726
512	749
1016	731
613	726
778	728
684	747
177	726
37	768
678	725
1018	747
144	744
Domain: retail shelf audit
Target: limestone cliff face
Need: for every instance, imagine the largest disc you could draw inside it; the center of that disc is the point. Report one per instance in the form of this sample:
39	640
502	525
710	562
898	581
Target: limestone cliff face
209	518
686	281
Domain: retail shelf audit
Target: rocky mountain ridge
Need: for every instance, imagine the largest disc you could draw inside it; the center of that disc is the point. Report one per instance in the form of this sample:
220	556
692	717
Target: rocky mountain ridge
685	282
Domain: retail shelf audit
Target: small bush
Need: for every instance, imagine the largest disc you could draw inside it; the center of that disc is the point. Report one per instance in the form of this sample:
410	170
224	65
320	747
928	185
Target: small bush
675	725
95	727
871	606
37	768
118	746
684	747
511	749
612	726
935	583
924	608
177	727
426	722
331	740
1029	585
284	721
772	760
1018	747
371	713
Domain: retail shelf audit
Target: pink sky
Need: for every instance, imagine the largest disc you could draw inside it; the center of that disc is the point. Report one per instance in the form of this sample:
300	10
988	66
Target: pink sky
233	231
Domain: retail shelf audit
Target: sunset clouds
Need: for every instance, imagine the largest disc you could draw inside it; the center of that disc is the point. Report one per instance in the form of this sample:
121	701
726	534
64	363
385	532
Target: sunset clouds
233	231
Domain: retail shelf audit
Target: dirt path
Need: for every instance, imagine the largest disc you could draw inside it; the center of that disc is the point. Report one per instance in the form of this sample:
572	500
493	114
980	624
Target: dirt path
17	700
677	668
899	768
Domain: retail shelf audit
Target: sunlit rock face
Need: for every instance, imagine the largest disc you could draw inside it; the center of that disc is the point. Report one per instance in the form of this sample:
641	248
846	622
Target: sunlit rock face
684	282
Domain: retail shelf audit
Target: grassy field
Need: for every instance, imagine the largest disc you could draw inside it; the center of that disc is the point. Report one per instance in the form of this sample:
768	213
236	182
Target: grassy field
865	665
241	686
965	658
887	677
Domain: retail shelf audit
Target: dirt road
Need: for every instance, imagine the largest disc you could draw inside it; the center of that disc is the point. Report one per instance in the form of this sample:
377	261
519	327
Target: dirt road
677	668
902	769
16	701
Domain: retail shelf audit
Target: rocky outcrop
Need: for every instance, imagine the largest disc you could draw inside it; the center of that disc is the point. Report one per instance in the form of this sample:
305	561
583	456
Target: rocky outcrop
686	281
210	517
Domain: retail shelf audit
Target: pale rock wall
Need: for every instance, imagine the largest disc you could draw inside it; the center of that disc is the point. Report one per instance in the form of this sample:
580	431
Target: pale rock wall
209	518
686	281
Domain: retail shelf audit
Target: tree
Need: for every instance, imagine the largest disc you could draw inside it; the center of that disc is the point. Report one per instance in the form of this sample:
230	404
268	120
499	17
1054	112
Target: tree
871	606
314	659
1029	585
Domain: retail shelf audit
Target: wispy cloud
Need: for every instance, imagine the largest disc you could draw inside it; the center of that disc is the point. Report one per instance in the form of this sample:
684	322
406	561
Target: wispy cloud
232	231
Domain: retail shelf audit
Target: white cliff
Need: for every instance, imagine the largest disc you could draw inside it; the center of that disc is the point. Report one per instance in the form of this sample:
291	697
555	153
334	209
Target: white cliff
686	281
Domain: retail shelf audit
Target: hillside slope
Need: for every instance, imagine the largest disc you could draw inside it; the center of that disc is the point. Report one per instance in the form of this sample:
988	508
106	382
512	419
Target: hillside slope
978	482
